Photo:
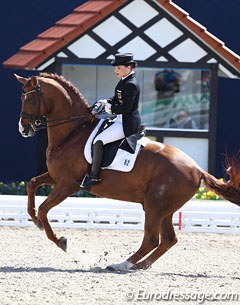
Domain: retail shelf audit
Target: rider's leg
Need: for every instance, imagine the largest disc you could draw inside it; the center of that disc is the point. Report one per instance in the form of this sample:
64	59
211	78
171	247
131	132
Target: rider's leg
92	177
113	133
96	161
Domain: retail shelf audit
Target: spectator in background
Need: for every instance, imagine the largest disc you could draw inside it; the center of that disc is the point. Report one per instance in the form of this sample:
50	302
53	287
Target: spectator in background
182	120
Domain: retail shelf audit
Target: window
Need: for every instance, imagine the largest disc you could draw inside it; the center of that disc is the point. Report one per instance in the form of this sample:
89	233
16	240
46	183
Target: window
174	98
170	98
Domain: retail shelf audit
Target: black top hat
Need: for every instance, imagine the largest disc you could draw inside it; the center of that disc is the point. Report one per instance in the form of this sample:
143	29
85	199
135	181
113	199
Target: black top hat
123	59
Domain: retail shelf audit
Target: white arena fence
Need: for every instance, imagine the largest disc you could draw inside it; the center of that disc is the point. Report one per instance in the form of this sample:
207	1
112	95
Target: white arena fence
102	213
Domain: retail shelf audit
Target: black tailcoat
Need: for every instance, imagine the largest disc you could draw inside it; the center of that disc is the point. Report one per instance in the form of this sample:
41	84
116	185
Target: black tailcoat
125	102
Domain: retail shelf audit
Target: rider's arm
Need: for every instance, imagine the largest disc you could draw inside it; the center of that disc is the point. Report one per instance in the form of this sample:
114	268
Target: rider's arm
126	104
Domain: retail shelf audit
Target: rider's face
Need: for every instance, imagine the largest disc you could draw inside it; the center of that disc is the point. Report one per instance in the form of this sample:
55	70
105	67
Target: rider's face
122	71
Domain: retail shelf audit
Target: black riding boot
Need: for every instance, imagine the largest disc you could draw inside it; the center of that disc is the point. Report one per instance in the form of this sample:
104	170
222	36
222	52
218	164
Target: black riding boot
93	177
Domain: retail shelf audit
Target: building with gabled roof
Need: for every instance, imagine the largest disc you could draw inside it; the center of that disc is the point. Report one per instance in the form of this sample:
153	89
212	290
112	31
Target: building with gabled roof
167	44
156	30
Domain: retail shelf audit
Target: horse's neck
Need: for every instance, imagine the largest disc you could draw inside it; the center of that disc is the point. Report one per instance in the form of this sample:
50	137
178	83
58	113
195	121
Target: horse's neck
67	112
58	134
76	138
63	123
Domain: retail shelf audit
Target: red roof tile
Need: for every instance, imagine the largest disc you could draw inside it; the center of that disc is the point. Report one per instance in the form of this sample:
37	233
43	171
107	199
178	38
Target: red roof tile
20	59
85	16
101	7
42	45
65	30
58	32
79	19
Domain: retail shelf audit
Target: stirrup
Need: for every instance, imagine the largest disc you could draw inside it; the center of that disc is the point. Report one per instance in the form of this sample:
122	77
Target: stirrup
89	180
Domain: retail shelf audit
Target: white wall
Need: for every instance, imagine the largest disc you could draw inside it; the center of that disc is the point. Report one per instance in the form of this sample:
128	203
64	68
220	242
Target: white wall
196	148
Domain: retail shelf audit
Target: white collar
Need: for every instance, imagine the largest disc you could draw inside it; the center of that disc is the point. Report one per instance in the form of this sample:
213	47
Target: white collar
132	72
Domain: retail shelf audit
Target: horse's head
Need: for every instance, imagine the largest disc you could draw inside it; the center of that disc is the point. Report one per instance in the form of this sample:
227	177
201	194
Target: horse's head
49	100
32	112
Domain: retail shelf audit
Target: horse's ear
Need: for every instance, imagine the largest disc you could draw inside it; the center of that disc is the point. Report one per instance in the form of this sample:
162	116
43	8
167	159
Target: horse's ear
21	79
34	81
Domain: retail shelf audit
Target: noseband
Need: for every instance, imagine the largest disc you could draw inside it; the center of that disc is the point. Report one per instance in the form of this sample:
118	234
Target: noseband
41	122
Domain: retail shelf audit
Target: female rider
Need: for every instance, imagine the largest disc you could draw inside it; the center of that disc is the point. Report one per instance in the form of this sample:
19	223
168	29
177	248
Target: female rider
124	104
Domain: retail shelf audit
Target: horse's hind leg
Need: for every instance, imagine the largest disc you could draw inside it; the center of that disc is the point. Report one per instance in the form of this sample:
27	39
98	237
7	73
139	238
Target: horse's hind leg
150	241
168	239
33	185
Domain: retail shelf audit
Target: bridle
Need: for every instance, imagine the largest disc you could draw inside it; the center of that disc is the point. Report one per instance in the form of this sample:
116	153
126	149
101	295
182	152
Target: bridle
42	122
36	120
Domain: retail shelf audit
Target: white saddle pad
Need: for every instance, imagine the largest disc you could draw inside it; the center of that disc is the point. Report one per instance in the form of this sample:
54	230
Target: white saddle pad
123	161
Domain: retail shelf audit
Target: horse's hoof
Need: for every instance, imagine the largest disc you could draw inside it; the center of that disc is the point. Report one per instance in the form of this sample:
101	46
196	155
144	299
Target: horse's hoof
110	268
122	267
63	244
142	266
39	225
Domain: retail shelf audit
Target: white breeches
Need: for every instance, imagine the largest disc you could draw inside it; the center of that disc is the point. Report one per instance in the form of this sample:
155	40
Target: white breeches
111	134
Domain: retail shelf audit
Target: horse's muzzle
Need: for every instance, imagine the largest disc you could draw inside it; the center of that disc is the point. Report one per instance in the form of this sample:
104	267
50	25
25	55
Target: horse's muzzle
26	130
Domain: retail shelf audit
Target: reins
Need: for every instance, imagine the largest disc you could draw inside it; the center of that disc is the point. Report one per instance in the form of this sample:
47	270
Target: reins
60	121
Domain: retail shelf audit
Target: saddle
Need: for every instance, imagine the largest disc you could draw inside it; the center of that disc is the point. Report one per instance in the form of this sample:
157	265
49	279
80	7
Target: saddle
117	155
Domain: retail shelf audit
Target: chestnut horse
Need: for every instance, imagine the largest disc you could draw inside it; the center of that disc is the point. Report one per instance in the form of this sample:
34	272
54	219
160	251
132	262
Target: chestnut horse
163	178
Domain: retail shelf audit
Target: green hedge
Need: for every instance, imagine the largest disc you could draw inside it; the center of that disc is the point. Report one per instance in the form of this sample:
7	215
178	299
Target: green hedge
19	188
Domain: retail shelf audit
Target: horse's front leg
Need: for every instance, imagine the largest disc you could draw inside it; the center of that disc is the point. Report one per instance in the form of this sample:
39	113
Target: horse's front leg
33	185
58	194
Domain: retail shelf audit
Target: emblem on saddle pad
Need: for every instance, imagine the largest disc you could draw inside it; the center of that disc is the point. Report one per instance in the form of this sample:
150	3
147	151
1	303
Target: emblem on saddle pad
122	161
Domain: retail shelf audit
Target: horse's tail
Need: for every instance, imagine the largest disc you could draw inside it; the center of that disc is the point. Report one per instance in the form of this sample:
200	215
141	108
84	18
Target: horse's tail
229	190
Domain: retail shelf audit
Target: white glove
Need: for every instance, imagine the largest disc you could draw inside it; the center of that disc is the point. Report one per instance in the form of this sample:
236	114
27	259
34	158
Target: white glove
101	105
103	101
108	107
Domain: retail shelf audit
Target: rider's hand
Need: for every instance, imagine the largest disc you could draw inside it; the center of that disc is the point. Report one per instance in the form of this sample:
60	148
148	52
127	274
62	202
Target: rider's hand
108	107
103	101
101	105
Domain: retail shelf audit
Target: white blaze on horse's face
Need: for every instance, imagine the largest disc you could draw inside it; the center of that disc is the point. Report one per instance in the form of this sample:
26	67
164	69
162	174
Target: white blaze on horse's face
20	127
25	132
25	124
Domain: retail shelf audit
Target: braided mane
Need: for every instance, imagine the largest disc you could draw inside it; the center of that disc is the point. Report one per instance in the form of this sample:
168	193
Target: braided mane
68	86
